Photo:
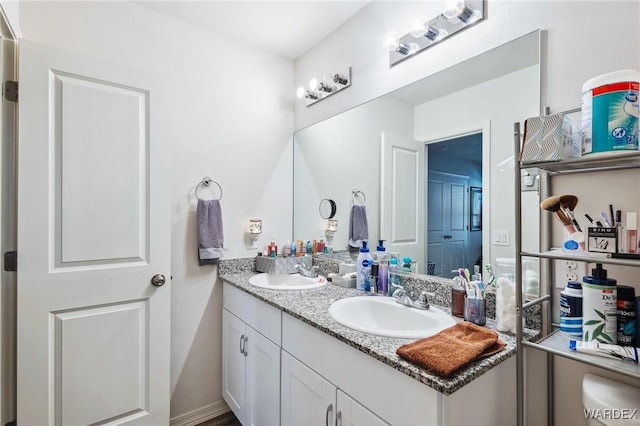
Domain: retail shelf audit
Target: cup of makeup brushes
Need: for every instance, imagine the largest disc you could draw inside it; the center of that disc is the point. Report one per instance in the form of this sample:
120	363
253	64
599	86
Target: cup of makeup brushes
562	208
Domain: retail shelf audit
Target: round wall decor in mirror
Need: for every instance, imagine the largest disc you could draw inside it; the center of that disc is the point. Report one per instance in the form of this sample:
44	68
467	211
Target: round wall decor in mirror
327	208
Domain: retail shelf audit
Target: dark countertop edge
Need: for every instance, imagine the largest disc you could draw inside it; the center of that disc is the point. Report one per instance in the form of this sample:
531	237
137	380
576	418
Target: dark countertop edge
446	386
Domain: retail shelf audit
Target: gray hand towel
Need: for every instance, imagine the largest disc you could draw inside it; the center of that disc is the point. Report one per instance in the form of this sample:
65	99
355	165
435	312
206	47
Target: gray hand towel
358	226
210	233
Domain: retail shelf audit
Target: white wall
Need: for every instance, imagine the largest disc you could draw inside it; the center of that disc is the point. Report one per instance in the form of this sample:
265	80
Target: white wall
219	128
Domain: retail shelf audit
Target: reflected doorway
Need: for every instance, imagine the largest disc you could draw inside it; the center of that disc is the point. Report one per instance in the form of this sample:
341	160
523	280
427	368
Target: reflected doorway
454	239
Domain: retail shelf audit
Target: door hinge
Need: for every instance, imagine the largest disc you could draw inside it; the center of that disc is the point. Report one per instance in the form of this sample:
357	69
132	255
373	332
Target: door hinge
10	261
11	90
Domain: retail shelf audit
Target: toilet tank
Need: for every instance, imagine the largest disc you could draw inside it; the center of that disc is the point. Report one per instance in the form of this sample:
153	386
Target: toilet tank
607	402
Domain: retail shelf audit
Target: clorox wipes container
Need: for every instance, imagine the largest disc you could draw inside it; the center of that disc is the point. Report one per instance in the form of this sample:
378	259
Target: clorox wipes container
610	112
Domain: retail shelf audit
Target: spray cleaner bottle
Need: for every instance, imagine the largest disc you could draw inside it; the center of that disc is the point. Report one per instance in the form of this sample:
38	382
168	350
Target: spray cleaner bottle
363	268
599	307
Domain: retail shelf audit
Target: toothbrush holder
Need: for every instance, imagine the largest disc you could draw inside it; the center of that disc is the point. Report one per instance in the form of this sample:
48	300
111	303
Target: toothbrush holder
475	311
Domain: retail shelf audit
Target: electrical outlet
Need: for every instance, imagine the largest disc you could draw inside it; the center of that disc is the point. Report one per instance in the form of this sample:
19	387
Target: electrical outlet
568	270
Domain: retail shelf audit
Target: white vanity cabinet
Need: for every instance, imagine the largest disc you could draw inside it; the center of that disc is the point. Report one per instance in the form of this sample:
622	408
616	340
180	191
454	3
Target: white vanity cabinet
383	394
310	399
251	358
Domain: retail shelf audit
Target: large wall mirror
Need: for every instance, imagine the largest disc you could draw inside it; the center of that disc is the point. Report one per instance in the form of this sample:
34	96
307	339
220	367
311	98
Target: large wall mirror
426	157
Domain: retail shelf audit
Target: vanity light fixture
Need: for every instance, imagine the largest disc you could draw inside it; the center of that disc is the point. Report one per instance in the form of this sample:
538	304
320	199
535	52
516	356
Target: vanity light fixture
255	229
332	227
458	15
325	87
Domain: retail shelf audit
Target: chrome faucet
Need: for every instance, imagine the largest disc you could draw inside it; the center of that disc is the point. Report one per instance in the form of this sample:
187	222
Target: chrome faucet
309	273
403	298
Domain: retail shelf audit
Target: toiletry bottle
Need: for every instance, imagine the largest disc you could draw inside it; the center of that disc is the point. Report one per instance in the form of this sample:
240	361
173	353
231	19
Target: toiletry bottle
383	277
626	313
363	268
406	264
599	307
458	293
375	268
632	233
286	250
394	277
309	248
381	251
383	273
571	309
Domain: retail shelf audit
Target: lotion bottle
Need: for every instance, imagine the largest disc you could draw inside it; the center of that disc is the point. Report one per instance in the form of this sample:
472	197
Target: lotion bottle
599	310
363	268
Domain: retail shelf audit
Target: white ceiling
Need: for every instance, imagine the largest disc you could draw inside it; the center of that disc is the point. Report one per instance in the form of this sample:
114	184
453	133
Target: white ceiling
287	28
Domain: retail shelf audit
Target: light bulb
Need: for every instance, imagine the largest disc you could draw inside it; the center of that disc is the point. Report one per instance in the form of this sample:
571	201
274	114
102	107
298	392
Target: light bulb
313	84
453	9
413	48
300	92
418	27
391	42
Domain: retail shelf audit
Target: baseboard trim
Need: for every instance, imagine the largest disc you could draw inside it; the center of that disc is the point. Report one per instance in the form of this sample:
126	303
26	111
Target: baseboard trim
200	415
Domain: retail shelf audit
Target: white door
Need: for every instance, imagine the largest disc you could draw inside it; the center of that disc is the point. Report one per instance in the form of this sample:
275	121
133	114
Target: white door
402	197
93	228
307	398
233	363
263	380
447	232
352	413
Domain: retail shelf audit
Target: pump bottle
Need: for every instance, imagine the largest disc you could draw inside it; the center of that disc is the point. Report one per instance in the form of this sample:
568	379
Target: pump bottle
599	307
363	268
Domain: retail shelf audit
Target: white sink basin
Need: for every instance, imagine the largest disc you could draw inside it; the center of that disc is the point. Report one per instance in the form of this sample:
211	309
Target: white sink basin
286	282
383	316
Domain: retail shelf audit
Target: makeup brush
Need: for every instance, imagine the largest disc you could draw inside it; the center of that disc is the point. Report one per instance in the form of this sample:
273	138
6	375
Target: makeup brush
552	204
567	204
568	201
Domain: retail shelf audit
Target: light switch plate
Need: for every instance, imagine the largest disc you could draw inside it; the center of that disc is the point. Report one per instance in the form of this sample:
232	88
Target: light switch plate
500	237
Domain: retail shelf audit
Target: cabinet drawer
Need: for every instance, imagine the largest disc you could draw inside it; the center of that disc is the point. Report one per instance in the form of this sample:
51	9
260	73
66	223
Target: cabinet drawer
263	317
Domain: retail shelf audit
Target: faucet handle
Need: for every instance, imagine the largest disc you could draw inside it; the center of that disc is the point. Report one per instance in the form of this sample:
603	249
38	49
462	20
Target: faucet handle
399	293
422	302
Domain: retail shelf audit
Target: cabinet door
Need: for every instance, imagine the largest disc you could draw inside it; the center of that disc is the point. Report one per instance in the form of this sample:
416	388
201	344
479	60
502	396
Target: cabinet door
307	398
351	413
233	363
262	381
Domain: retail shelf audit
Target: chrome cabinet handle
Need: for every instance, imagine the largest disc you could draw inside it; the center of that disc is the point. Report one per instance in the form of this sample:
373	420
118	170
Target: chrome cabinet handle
244	348
339	417
242	344
326	416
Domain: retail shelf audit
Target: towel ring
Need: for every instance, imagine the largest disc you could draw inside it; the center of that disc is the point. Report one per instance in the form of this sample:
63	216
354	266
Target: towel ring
207	181
357	193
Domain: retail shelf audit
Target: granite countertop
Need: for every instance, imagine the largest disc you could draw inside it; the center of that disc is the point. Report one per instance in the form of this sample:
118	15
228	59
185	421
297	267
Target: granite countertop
312	307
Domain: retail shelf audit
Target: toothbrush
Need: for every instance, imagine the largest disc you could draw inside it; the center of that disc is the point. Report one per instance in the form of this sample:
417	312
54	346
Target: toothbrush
605	218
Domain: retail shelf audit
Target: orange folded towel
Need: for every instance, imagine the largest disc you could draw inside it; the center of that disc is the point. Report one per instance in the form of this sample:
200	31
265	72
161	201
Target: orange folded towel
453	348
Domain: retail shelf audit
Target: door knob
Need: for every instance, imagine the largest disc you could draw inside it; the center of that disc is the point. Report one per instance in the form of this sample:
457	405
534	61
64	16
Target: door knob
158	280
